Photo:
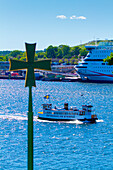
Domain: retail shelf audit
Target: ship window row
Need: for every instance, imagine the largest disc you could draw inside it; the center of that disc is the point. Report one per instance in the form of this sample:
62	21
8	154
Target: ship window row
101	71
101	56
102	51
105	63
84	63
60	116
107	67
104	71
64	113
93	59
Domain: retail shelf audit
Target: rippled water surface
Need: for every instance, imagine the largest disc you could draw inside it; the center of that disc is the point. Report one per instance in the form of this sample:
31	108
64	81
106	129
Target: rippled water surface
56	145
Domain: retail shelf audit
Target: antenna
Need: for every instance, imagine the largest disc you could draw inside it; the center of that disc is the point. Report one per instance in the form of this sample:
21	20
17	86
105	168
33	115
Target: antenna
96	40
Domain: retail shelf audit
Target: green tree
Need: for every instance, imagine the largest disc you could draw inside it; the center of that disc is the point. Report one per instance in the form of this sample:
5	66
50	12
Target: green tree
59	53
65	49
23	58
7	57
56	50
75	51
60	61
16	53
76	61
83	52
40	55
67	56
2	58
50	52
66	61
109	59
71	61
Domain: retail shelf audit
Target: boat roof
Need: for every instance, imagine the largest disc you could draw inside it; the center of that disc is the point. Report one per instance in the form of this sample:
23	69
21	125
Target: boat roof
47	104
87	105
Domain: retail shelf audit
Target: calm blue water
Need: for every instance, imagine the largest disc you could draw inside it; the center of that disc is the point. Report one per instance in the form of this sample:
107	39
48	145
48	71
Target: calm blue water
56	145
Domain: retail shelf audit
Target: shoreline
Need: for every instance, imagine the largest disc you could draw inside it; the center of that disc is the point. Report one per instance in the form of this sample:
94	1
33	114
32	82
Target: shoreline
42	79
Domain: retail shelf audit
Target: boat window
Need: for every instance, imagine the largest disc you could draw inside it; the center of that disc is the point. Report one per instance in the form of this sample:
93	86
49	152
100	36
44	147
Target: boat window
84	63
93	60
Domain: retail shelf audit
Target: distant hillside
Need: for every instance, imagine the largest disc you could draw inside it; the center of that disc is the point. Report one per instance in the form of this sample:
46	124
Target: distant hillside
3	53
94	42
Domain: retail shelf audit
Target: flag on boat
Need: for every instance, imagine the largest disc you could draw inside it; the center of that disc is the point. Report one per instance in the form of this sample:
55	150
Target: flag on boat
47	97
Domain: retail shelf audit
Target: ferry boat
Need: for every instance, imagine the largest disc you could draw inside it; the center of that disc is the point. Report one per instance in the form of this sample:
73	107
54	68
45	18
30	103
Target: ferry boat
92	67
67	114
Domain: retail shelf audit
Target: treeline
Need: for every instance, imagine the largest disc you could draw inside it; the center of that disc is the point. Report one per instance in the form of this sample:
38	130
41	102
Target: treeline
62	53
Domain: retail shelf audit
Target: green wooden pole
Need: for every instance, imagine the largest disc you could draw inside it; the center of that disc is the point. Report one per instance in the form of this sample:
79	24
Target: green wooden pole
30	131
30	65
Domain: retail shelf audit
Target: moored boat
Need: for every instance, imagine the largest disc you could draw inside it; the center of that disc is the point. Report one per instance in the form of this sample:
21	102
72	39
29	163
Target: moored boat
67	114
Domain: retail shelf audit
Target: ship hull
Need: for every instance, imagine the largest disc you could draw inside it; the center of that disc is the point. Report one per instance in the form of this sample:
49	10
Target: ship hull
92	120
97	78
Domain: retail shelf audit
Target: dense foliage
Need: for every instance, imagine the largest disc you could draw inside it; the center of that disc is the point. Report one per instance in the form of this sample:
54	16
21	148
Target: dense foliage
62	53
109	59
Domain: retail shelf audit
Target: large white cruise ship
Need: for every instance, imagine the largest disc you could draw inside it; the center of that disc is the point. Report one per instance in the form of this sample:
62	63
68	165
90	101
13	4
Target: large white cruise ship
92	67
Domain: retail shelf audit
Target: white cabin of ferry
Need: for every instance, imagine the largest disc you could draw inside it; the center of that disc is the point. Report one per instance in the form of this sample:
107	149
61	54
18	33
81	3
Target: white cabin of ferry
67	114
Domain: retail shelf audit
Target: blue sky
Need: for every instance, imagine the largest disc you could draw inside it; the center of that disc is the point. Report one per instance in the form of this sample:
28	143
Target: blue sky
54	22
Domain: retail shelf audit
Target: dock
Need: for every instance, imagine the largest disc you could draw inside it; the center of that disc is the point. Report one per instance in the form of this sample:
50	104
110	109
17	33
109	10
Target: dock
66	79
11	77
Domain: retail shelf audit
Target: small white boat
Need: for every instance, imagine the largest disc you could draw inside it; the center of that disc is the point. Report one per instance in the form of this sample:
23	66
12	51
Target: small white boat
67	114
